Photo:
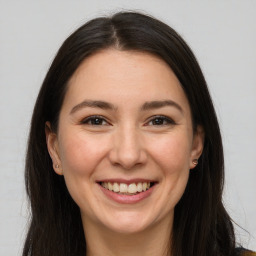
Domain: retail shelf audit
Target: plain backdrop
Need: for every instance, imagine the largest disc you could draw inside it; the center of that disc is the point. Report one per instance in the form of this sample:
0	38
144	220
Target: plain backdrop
222	35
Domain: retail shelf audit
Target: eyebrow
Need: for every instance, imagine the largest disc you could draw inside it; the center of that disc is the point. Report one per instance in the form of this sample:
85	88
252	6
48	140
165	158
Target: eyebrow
93	104
160	104
108	106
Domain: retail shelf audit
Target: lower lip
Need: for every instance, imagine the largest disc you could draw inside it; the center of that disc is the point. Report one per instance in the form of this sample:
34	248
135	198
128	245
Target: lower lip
126	199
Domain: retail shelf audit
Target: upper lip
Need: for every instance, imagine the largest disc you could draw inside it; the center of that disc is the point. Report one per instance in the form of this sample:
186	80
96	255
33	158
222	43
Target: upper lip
126	181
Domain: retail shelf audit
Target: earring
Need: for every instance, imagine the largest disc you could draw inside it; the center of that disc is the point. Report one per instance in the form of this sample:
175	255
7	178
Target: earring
195	161
57	166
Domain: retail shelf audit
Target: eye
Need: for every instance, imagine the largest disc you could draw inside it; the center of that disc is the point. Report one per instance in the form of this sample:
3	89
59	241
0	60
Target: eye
94	121
160	121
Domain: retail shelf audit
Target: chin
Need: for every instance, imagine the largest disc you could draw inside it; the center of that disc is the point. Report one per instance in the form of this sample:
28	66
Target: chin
128	228
128	223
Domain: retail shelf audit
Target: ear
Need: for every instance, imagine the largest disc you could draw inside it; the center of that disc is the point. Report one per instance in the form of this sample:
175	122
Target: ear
53	148
197	146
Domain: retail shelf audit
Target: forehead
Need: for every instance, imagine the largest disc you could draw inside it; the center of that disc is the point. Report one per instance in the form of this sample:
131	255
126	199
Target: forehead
124	76
123	65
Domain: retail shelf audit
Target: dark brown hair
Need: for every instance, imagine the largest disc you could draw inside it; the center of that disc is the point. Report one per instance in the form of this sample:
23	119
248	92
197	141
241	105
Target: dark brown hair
201	224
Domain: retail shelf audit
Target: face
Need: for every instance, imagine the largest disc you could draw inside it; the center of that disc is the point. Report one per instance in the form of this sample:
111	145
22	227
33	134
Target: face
125	142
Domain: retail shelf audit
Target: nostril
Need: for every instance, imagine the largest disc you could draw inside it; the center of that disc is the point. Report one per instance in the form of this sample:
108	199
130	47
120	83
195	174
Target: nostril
127	153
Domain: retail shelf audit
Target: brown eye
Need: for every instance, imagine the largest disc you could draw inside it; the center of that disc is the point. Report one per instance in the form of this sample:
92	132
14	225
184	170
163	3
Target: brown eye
95	121
160	121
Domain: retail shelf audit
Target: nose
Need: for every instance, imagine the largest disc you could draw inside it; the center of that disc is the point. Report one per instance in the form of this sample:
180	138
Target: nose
127	149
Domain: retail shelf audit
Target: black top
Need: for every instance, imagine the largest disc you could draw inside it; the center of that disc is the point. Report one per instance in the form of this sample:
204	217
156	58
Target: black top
243	252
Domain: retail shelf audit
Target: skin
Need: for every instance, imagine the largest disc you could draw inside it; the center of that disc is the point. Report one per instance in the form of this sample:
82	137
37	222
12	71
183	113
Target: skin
126	142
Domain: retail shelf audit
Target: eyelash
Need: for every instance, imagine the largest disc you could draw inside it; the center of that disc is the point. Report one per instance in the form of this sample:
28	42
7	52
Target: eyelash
164	119
90	119
100	119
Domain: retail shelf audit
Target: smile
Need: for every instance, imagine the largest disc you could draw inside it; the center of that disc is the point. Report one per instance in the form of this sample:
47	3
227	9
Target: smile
127	189
127	192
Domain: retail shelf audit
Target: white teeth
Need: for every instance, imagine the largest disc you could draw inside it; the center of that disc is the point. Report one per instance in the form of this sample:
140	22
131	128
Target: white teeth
109	186
125	188
132	188
139	187
116	187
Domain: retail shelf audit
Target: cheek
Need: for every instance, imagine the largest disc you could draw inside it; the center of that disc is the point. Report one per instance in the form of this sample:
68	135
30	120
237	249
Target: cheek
172	153
80	154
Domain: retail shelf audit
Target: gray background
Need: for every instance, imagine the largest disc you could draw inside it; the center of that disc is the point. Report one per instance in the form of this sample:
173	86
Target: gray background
221	33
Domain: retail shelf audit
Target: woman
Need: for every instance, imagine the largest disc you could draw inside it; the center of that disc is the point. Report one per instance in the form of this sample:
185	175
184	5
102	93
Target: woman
125	154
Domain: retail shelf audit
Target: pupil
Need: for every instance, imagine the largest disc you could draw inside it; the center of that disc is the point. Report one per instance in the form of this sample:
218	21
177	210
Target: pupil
97	121
158	121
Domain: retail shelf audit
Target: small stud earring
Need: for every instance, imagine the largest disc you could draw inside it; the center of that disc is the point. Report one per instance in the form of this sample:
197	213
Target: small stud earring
57	166
195	161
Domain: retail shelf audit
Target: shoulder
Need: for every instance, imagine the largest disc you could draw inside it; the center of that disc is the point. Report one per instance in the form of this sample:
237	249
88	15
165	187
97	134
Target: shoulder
244	252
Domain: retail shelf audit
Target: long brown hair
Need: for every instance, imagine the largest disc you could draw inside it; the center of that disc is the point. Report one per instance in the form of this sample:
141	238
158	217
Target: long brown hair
201	224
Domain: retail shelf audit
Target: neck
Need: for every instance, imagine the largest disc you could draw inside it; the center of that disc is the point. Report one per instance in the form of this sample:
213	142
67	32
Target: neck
155	241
